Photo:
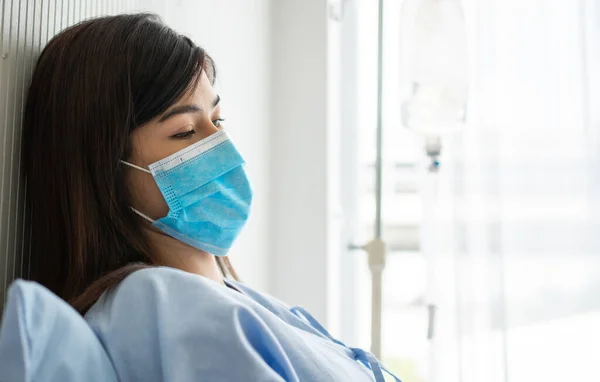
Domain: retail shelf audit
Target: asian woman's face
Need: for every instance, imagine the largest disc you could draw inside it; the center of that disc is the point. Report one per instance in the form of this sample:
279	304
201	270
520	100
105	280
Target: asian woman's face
195	116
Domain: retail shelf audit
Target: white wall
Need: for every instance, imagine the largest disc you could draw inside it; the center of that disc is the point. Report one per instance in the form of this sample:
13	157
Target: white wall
304	220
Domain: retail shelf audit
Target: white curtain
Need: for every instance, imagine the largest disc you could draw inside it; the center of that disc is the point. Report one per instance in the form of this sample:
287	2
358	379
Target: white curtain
512	223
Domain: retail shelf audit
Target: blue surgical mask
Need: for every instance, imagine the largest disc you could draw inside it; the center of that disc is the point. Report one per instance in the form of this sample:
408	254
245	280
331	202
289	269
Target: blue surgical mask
207	191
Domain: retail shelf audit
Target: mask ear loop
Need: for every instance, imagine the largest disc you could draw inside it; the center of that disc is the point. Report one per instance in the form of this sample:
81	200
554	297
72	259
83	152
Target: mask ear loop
136	167
142	215
133	209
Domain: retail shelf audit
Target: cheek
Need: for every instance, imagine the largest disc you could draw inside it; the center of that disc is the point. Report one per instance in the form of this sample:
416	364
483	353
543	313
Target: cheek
147	198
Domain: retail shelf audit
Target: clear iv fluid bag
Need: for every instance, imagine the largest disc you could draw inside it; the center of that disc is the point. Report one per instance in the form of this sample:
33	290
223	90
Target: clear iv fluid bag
434	66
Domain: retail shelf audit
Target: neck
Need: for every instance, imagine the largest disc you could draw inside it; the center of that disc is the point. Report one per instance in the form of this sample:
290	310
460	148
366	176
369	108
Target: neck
171	252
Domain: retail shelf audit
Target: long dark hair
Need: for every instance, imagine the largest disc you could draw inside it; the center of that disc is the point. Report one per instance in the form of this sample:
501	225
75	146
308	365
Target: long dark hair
93	84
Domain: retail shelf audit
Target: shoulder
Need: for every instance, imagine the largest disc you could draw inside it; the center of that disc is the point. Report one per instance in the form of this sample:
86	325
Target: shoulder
160	295
156	282
165	324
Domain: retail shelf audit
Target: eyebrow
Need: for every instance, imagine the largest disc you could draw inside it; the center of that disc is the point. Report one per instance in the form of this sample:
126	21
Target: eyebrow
186	109
180	110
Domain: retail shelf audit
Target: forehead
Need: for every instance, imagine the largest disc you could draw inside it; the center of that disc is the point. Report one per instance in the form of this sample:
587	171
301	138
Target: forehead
203	93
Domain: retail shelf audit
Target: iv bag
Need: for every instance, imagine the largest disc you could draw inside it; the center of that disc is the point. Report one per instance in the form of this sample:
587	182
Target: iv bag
434	66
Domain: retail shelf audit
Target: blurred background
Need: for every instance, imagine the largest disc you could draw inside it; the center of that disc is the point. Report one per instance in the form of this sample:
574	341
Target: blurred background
490	167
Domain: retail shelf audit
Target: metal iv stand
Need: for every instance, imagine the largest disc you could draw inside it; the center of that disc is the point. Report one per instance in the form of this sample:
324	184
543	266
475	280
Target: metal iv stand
376	248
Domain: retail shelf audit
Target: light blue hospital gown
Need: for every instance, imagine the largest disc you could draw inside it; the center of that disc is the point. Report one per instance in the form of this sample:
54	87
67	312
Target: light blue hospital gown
162	324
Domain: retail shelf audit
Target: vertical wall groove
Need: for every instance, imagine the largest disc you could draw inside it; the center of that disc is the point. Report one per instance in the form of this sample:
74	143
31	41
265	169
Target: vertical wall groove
3	66
6	47
47	22
2	26
26	26
20	56
9	114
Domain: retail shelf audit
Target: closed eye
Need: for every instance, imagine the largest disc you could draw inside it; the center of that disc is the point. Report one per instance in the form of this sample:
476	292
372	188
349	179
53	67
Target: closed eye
184	135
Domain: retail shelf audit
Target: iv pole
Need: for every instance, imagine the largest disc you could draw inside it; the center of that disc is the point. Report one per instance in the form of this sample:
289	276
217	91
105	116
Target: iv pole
376	248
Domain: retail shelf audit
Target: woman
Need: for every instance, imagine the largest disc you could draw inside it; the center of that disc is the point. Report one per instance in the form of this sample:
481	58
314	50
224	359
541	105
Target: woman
136	194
